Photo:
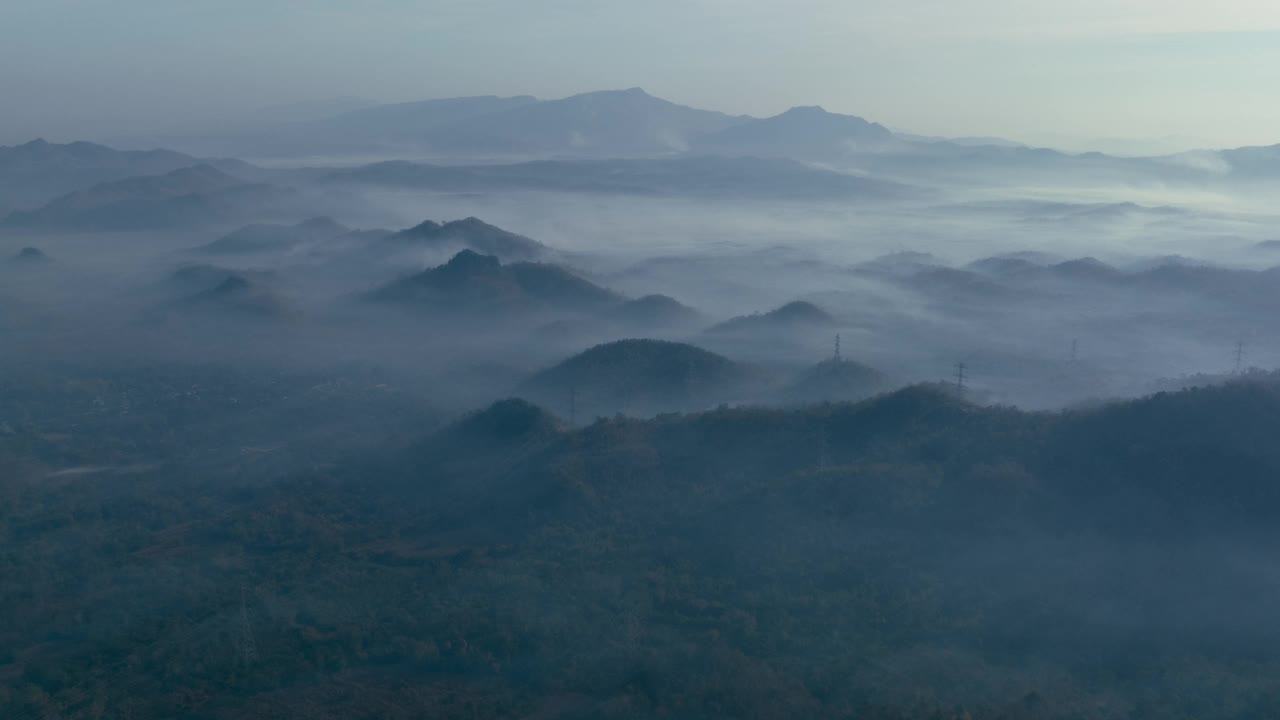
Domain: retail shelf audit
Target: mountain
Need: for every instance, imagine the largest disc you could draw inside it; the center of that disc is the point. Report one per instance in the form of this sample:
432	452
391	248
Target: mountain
1246	163
475	283
835	380
910	557
798	315
655	316
30	256
809	133
640	377
690	176
471	234
261	238
654	312
189	196
36	172
613	123
235	296
1006	281
193	280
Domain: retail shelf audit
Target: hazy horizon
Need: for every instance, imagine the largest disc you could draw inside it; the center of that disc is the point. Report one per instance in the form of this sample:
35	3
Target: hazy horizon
1135	75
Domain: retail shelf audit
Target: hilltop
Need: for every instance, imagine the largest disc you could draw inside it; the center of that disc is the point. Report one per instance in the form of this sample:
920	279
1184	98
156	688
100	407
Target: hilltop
640	376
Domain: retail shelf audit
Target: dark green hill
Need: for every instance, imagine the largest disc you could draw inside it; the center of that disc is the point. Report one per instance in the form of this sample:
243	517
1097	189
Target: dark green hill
641	377
910	557
798	315
475	283
835	380
30	256
470	234
654	312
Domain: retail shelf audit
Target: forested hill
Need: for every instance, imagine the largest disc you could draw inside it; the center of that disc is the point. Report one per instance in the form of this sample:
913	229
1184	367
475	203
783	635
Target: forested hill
911	556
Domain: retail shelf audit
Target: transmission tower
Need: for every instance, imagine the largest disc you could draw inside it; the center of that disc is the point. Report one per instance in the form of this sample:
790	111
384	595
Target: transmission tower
246	645
960	368
1239	357
837	356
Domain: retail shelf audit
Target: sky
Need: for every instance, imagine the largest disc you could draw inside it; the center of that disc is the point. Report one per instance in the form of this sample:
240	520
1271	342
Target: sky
1078	74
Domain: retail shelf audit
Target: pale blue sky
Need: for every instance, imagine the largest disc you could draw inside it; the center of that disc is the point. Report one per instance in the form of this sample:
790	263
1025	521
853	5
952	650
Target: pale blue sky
1035	70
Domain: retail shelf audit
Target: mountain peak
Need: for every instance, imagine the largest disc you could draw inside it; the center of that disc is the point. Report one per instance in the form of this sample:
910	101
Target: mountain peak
470	261
31	255
807	110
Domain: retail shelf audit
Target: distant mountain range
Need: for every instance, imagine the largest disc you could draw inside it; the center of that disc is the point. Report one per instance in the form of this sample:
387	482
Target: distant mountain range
269	237
189	196
619	142
690	176
608	123
809	133
632	123
1012	279
36	172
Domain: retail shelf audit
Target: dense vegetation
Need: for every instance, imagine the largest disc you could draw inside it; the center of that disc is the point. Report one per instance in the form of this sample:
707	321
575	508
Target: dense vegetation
912	556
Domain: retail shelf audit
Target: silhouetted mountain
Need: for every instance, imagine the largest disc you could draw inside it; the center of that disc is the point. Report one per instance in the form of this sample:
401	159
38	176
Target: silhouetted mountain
506	422
797	315
237	296
1004	279
1004	266
606	123
802	132
472	234
185	197
30	256
683	177
36	172
191	280
1251	162
899	264
835	380
471	282
259	238
640	377
1087	269
654	312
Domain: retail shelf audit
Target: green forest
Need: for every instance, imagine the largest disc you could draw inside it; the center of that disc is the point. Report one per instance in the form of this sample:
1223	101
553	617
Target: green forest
258	545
